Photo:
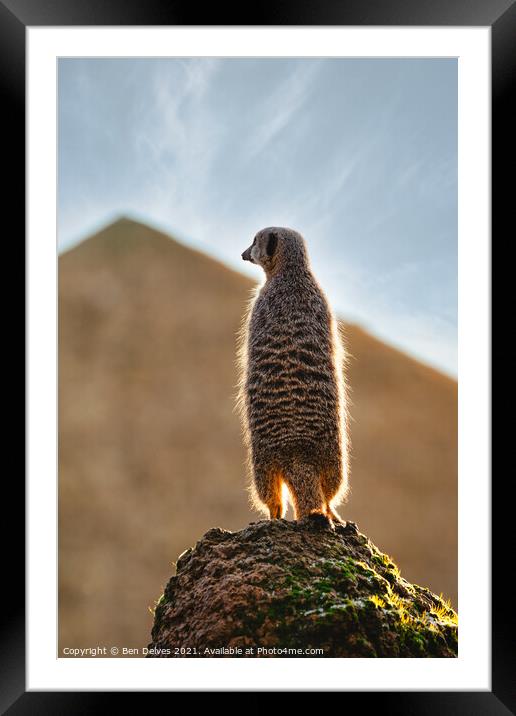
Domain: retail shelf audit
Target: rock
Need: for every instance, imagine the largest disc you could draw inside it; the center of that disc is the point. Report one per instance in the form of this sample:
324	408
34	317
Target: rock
278	586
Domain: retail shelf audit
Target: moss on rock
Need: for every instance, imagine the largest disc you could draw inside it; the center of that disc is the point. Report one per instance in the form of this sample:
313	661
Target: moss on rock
295	586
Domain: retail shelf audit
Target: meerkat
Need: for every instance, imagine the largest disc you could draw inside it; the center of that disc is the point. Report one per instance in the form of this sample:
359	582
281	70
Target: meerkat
292	395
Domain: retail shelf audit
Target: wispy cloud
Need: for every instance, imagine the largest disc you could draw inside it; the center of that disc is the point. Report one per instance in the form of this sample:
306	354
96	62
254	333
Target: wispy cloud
281	107
176	135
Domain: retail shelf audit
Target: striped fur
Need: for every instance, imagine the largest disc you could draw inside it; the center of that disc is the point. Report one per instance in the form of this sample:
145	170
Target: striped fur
291	393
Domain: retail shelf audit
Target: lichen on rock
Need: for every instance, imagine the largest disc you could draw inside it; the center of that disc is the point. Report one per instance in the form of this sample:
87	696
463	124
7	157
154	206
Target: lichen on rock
280	588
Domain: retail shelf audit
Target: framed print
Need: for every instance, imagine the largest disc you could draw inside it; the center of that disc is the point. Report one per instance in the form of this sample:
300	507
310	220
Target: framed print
258	357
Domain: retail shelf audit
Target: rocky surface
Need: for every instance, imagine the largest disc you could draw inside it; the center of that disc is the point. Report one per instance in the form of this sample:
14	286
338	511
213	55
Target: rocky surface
284	588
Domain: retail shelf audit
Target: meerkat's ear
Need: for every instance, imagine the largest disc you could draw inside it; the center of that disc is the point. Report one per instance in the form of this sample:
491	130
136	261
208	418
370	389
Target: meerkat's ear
272	242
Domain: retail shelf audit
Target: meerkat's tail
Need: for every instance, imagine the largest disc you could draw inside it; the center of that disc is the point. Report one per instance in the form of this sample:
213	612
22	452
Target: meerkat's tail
304	484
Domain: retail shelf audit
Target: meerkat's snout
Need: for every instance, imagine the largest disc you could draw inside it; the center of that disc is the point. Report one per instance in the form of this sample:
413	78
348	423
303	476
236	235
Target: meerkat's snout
247	255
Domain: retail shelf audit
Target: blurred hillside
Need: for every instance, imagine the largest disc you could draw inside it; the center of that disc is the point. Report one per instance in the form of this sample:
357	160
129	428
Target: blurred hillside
150	453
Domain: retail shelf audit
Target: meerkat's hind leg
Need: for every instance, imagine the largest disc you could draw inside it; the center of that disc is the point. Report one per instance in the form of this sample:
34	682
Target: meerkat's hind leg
331	484
277	504
267	490
334	515
275	498
276	511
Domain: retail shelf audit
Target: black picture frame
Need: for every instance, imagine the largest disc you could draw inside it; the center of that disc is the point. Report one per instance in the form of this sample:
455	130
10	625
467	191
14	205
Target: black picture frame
500	15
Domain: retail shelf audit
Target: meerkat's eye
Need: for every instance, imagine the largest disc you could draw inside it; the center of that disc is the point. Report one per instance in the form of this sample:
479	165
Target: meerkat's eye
272	242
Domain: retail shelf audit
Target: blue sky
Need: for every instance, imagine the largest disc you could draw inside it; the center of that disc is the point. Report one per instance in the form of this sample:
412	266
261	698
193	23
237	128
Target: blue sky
359	155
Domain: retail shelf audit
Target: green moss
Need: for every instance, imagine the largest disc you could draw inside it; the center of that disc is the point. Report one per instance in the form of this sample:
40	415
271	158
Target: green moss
323	585
357	607
377	559
413	640
356	602
333	591
377	601
157	604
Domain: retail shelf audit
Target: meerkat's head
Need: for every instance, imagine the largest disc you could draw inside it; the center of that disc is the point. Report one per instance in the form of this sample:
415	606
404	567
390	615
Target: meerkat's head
276	249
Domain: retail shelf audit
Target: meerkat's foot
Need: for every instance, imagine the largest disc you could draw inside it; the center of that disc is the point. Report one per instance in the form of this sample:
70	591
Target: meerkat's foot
335	517
321	520
276	512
